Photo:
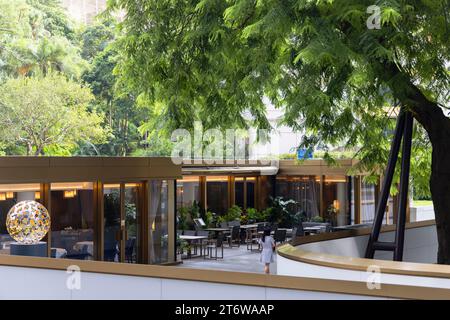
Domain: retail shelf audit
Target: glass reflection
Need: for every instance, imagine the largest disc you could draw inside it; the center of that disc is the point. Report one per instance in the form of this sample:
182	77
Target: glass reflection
11	194
72	214
111	222
132	209
159	222
217	194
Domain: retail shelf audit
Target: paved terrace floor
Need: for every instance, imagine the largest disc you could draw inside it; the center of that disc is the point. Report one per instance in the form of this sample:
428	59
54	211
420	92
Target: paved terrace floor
235	259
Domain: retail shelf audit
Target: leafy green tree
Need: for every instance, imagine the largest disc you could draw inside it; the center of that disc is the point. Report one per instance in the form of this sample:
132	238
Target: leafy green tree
48	115
96	38
134	127
119	105
37	37
335	77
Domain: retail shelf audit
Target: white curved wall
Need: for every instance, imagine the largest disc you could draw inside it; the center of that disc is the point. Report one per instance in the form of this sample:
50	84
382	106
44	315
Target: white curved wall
39	284
420	246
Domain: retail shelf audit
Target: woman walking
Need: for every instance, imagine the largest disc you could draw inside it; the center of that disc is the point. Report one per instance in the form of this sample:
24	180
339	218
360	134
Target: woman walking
268	247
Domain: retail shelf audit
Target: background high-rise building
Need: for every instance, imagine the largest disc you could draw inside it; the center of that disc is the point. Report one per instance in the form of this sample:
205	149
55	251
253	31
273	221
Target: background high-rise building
84	10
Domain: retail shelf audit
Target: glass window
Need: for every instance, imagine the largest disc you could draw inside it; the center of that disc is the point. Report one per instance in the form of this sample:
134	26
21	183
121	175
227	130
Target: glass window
188	191
132	210
111	222
336	199
352	201
11	194
367	202
159	221
305	190
250	192
72	214
217	194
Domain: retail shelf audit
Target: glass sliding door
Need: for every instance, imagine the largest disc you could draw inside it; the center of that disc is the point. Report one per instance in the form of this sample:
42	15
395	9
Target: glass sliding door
158	218
336	200
239	183
111	222
72	216
121	222
367	202
304	190
188	191
122	204
217	194
132	219
250	192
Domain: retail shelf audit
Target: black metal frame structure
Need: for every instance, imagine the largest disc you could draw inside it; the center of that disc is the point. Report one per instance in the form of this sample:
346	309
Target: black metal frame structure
403	131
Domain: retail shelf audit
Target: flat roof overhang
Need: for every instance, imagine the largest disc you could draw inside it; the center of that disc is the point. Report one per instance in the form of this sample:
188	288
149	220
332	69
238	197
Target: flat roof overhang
64	169
316	167
201	171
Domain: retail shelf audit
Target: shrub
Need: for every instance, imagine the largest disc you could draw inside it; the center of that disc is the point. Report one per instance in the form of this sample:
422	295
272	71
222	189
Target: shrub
234	213
280	212
317	219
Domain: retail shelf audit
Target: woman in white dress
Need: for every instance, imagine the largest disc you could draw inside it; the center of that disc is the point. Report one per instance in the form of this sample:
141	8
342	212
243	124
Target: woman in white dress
268	246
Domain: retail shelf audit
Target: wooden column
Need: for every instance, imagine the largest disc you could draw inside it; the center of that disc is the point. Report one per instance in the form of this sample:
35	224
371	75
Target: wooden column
357	195
98	221
322	205
145	225
257	193
245	193
203	198
171	221
231	192
123	227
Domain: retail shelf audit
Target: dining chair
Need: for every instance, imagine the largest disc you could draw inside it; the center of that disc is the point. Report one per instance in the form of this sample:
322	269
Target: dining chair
235	237
213	246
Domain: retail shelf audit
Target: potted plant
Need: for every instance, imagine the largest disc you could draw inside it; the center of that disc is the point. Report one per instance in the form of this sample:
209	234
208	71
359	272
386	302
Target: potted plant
181	246
252	215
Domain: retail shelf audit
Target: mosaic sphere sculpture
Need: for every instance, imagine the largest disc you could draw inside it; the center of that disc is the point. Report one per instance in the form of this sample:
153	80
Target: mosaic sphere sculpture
28	222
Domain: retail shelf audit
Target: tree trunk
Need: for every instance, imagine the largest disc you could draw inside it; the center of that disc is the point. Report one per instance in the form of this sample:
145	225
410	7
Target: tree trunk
437	124
440	189
440	186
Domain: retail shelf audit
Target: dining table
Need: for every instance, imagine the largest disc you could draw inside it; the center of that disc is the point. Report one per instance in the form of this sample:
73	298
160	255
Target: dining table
312	229
218	231
89	245
249	226
191	239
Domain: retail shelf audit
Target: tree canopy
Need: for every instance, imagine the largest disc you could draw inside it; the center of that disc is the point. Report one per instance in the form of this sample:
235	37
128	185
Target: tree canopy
49	113
336	79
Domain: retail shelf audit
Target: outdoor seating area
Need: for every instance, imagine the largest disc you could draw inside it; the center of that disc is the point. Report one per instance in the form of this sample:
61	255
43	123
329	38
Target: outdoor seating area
210	243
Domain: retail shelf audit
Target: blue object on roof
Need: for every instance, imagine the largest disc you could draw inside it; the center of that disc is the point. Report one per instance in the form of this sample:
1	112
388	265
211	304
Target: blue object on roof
304	154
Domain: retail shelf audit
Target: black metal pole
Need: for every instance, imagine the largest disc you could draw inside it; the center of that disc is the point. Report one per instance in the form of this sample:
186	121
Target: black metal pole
404	188
389	175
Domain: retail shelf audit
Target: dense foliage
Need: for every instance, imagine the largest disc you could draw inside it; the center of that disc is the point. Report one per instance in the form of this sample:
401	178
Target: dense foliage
335	78
338	79
47	59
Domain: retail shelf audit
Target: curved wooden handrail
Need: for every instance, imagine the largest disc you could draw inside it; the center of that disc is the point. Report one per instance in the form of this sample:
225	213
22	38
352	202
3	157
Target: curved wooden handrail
230	277
295	252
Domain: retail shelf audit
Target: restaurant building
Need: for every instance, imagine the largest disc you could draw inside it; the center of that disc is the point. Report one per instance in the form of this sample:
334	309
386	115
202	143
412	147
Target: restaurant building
104	209
124	209
317	189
